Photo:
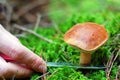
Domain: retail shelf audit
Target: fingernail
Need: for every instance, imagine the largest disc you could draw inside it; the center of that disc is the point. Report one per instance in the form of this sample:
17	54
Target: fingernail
42	68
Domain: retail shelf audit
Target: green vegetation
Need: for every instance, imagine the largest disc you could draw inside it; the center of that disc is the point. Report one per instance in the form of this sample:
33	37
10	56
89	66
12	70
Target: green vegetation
66	13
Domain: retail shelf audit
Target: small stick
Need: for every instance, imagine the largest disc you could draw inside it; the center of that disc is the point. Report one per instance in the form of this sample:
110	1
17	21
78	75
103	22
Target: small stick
37	22
53	74
114	61
32	32
56	27
111	58
20	35
118	74
110	63
41	76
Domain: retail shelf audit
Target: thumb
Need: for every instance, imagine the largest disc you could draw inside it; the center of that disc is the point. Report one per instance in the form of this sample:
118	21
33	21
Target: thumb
8	69
31	59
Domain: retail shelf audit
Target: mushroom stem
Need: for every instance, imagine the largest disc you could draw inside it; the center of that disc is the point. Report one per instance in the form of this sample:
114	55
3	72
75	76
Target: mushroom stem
85	59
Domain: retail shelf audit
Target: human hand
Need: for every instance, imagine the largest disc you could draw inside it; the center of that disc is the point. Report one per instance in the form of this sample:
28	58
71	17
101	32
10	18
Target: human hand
22	56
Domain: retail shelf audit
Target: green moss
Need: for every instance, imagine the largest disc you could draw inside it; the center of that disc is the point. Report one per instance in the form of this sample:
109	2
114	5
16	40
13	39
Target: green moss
66	73
59	51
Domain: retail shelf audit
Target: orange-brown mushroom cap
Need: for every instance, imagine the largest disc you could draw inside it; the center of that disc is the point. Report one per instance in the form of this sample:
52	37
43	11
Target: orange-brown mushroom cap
87	36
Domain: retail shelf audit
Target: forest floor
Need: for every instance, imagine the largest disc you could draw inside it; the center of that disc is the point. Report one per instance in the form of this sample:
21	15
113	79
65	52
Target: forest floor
61	16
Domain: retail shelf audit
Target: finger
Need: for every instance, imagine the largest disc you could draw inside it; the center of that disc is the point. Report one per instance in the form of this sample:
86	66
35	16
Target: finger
31	59
8	70
22	54
17	51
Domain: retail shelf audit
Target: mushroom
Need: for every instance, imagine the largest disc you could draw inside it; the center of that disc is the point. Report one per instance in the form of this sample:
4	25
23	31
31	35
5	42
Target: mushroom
87	37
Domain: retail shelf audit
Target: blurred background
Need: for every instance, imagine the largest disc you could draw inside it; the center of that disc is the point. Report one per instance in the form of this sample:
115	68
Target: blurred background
27	12
23	12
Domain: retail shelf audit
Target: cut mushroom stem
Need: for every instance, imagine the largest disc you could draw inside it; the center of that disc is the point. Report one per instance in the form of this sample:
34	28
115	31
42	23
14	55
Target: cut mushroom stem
85	59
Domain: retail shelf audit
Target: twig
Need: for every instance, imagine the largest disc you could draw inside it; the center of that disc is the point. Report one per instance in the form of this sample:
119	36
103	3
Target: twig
118	74
56	27
52	74
13	77
111	58
44	75
113	61
32	32
41	76
20	35
37	22
110	63
117	37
